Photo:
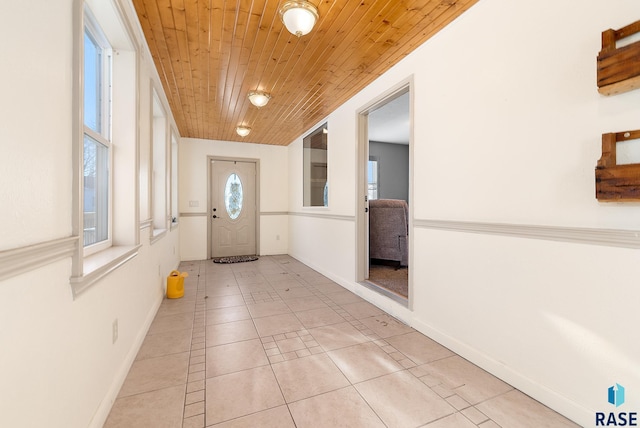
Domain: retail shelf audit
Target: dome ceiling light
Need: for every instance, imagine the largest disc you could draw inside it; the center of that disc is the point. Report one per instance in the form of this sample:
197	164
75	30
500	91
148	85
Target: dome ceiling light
259	98
242	130
299	16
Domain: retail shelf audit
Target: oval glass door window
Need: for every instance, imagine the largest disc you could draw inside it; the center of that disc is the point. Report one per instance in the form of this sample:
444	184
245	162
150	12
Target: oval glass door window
233	196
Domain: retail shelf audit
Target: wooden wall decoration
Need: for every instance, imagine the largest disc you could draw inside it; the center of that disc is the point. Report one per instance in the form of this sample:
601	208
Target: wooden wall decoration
617	183
619	68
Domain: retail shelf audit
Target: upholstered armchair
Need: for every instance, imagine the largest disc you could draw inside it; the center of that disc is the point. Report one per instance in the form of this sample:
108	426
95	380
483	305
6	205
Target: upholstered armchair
389	230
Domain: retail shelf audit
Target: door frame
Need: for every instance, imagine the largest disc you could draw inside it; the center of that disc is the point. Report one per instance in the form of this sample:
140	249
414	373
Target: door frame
210	205
362	158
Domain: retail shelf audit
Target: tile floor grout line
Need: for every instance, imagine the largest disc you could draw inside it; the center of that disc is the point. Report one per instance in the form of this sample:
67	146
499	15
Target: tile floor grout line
199	323
204	323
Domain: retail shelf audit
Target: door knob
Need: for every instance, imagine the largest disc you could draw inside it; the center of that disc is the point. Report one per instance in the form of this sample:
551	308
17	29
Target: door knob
215	216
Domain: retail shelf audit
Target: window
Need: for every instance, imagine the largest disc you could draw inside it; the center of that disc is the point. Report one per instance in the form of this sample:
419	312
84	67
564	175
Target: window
372	178
174	178
315	184
96	180
159	166
105	142
233	196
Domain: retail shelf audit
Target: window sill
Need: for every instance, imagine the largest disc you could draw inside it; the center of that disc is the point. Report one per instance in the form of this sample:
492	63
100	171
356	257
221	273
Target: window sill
100	264
157	234
316	208
146	223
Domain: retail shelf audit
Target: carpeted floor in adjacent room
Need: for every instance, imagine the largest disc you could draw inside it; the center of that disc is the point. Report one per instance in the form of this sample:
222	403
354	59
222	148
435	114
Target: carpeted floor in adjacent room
391	277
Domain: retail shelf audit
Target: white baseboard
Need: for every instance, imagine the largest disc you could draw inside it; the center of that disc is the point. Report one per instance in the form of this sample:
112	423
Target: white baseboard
548	397
101	415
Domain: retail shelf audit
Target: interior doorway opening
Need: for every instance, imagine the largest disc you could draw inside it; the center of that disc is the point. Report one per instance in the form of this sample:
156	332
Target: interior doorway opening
384	183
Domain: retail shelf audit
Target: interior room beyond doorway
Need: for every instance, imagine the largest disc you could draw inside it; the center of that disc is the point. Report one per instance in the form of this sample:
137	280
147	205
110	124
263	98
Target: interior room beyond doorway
389	129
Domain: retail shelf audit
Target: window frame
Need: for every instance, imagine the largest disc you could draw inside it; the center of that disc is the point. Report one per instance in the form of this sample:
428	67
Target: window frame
98	261
159	178
174	212
314	195
103	135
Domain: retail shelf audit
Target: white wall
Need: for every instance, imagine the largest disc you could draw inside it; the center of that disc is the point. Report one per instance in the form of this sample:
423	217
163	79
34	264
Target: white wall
59	366
35	131
194	176
507	131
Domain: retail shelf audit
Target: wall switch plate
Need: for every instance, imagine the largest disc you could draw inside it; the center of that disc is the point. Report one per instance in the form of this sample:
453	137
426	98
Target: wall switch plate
194	203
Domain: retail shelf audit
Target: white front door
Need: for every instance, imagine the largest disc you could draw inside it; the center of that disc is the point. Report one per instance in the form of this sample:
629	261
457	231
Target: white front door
233	208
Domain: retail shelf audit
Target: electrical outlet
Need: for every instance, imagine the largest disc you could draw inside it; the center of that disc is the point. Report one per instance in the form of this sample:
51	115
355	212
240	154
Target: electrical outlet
114	331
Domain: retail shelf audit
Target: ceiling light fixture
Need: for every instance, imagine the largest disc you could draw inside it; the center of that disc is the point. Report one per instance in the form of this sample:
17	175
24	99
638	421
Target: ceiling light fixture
299	16
242	130
259	98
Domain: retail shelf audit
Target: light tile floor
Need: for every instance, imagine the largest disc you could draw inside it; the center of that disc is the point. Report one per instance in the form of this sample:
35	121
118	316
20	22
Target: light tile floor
272	343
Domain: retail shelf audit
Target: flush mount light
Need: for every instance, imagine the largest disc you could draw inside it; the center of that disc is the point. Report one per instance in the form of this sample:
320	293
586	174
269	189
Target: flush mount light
299	16
259	98
243	131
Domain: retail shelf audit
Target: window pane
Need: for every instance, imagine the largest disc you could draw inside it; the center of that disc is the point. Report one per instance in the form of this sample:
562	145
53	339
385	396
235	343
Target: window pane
92	83
174	179
159	171
373	180
233	196
314	169
96	191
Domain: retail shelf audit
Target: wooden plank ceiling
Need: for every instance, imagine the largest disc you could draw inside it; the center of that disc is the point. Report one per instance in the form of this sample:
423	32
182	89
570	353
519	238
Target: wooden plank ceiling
211	53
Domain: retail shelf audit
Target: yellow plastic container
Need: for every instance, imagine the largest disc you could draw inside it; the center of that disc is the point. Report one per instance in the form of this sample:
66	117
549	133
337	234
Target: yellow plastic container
175	284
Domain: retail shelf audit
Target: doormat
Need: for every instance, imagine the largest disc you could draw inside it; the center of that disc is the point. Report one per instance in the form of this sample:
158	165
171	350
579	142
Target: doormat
235	259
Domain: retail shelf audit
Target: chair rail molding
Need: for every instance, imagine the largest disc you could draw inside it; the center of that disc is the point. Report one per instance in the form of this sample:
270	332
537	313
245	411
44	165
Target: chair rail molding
592	236
20	260
324	216
265	213
200	214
